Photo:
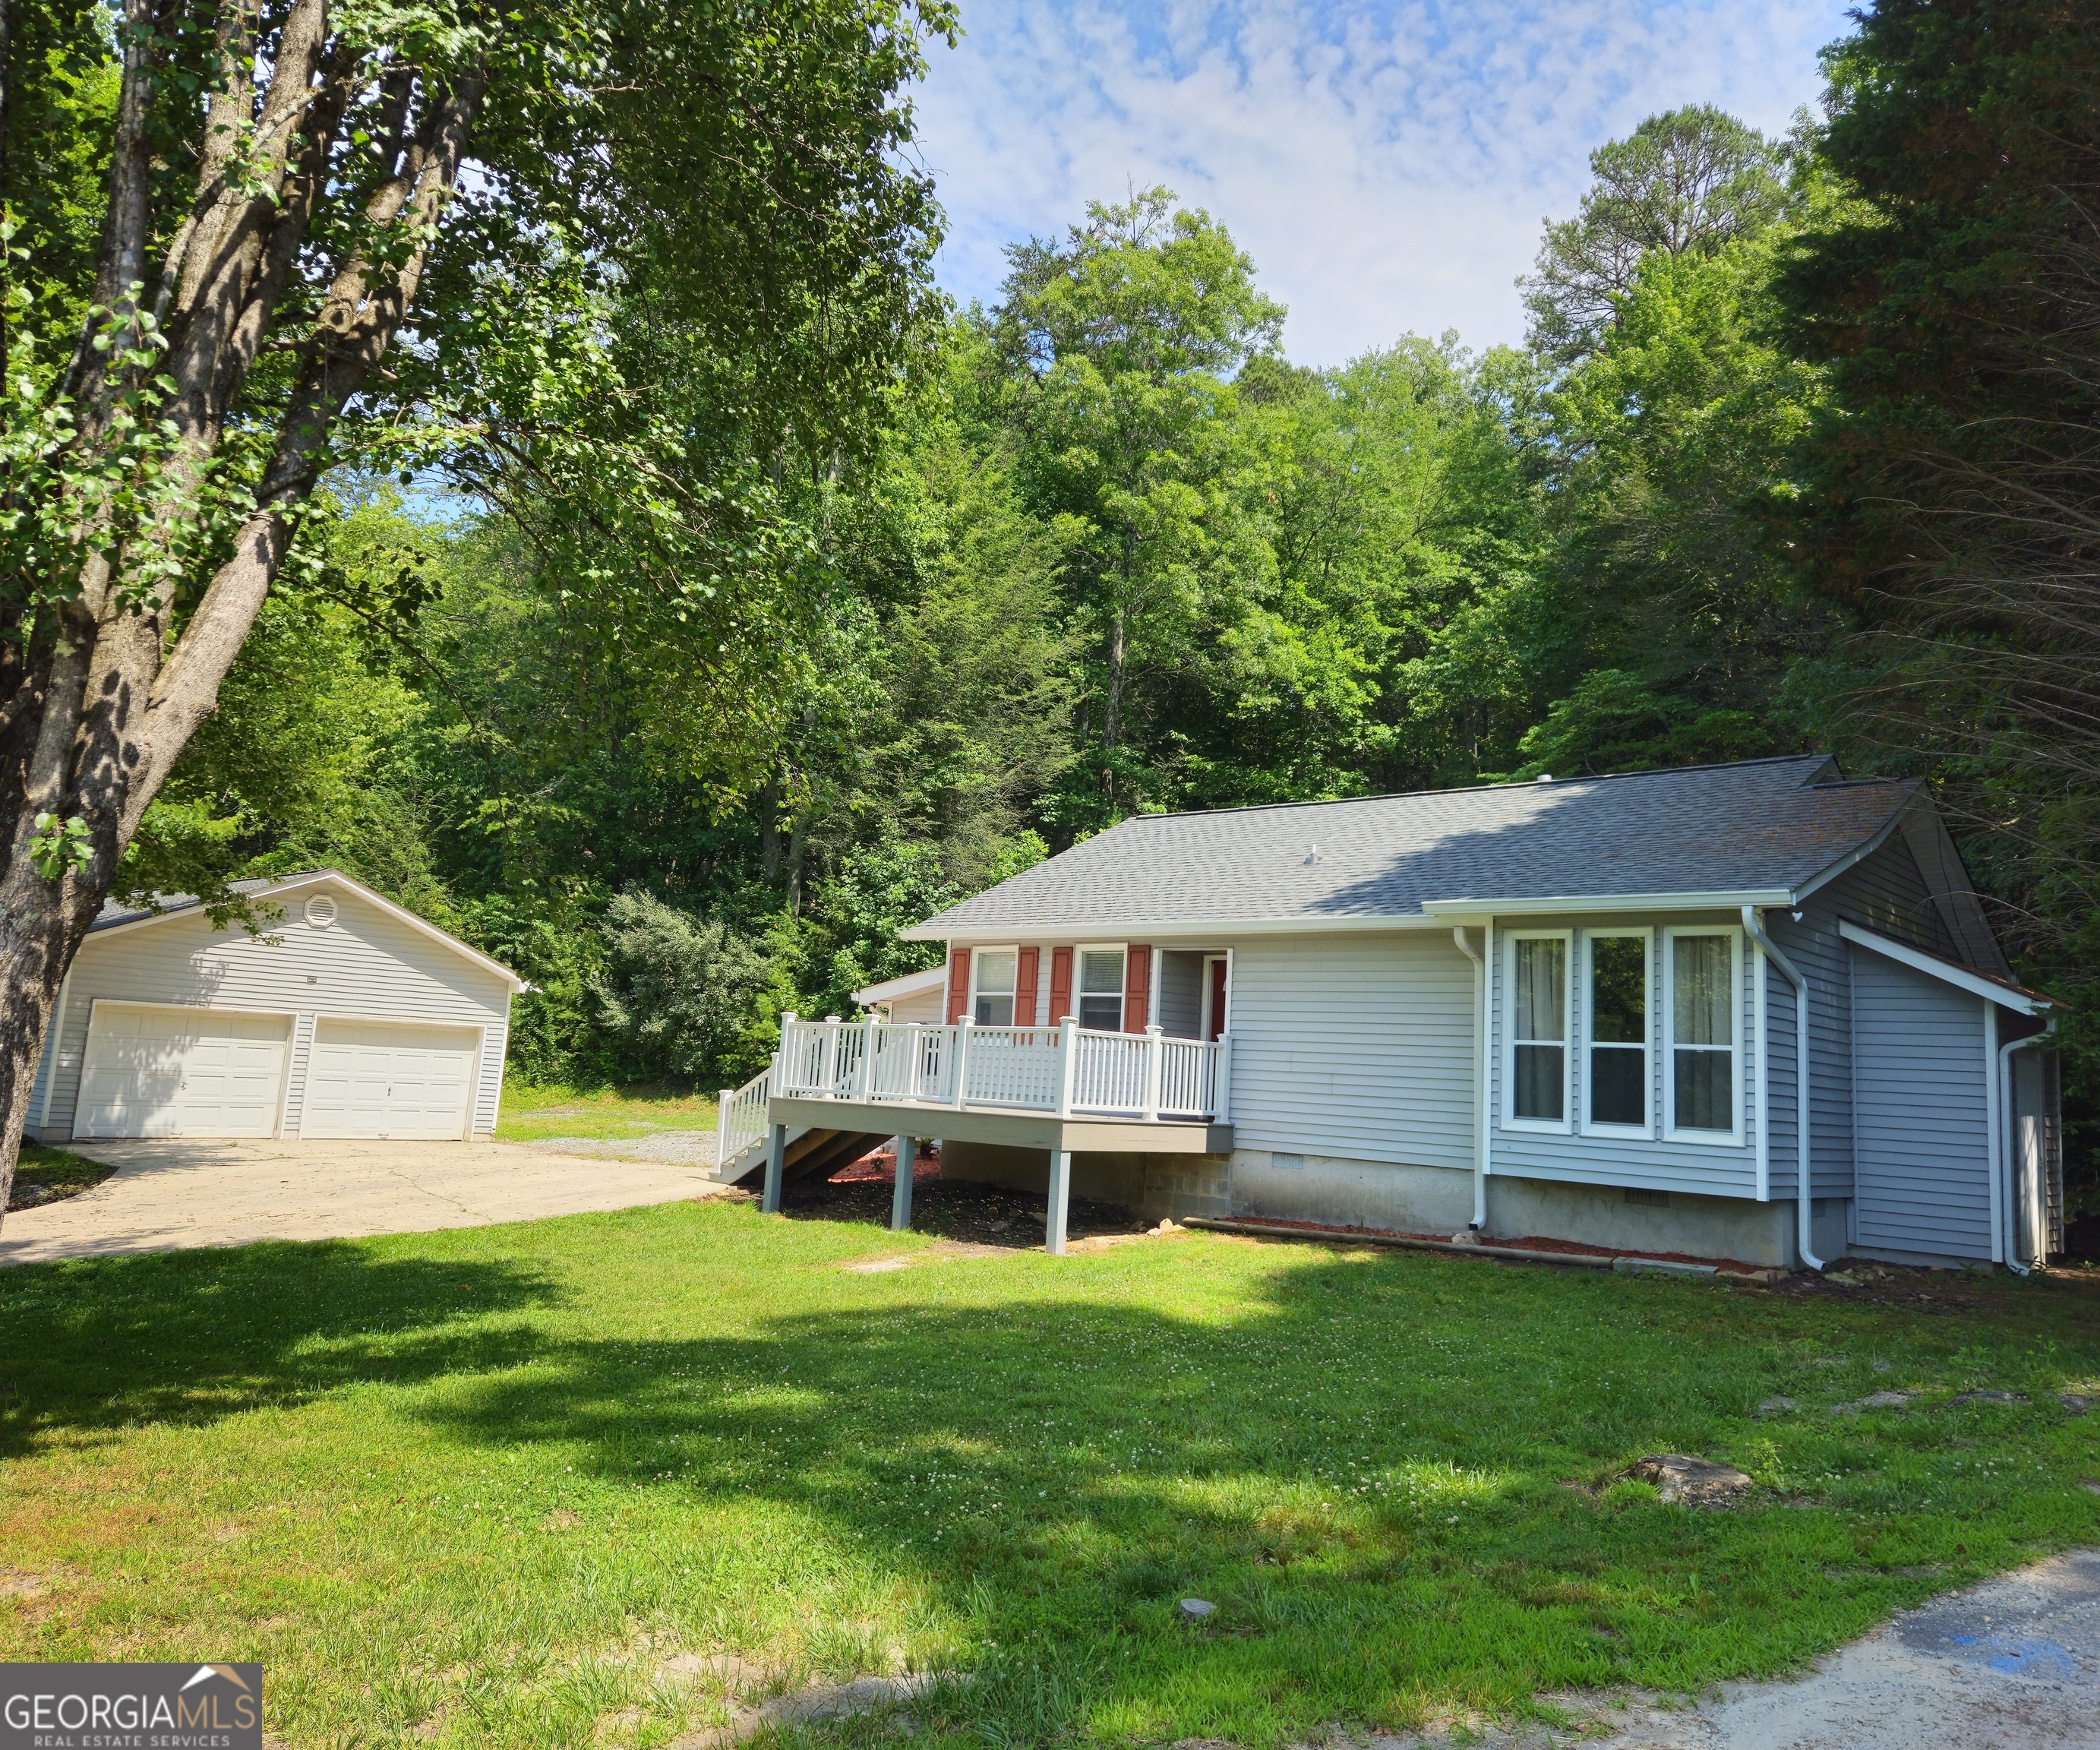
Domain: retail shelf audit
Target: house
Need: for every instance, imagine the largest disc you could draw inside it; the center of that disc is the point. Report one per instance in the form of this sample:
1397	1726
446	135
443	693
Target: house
1622	1011
920	997
344	1016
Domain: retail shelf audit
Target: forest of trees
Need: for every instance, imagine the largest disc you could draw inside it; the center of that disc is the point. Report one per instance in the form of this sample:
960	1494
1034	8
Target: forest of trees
1802	449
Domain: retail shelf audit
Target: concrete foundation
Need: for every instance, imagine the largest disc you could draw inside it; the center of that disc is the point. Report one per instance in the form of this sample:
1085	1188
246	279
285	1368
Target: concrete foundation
1281	1187
1153	1185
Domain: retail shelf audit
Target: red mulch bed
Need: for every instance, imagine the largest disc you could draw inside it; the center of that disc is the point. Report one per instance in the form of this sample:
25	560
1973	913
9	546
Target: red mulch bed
1532	1242
880	1168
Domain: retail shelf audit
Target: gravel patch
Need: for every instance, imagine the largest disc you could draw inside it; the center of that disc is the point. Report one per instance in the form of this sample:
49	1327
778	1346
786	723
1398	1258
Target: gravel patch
670	1148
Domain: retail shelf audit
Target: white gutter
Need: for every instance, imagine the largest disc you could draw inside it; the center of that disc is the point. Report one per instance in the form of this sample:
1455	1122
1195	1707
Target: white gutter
1480	1010
1802	1068
1203	932
1588	904
1435	914
1961	977
2002	1133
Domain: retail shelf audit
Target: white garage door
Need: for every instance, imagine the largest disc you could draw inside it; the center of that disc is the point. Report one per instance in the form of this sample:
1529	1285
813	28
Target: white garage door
181	1071
382	1078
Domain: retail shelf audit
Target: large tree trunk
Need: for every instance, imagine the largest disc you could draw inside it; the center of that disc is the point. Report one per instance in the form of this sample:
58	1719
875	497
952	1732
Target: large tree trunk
93	722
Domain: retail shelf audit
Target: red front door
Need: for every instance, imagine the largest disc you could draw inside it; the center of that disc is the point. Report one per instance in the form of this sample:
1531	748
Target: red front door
1217	998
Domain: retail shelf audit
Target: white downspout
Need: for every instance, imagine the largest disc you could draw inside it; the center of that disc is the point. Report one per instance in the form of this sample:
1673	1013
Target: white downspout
1801	1067
1480	1010
2008	1136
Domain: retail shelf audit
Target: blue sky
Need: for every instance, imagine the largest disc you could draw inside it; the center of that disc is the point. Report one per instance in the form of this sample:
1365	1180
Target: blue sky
1386	164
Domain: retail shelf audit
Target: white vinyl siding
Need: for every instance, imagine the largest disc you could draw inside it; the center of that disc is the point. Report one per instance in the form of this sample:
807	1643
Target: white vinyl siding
387	1079
1355	1047
366	965
182	1072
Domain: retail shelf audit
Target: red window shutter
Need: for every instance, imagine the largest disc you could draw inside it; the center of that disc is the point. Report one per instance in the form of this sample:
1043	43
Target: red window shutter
1136	988
1061	985
959	984
1024	987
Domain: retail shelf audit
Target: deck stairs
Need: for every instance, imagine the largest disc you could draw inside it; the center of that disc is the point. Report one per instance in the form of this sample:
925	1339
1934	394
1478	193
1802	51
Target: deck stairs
812	1153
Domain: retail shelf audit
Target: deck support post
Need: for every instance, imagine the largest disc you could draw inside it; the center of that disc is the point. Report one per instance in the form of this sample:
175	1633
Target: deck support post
722	1126
776	1167
900	1199
1060	1203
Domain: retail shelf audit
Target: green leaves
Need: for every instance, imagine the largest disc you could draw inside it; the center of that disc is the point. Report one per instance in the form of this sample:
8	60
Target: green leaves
60	847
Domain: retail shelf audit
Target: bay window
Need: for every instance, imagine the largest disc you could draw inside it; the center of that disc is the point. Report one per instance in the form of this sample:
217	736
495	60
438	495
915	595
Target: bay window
1616	1087
1536	1064
1705	1013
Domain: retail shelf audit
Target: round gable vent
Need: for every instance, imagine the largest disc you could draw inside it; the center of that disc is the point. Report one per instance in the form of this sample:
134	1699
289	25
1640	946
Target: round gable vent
320	911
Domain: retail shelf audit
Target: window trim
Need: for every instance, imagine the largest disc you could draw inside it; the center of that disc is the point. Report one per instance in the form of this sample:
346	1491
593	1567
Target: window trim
976	963
1644	1130
1080	951
1739	1054
1564	1125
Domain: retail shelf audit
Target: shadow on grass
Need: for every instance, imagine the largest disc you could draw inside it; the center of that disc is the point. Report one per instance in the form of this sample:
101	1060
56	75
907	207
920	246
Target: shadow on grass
189	1336
1362	1458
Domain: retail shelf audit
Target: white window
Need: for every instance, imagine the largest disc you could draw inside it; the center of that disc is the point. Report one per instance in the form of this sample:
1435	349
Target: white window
1536	1012
1616	1084
1703	1011
991	985
1100	989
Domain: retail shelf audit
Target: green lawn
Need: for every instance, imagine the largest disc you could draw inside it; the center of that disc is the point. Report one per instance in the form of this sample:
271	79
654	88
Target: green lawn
533	1114
485	1483
43	1175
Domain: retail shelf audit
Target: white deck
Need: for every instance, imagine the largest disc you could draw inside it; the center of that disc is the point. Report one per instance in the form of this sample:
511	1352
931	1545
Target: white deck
920	1074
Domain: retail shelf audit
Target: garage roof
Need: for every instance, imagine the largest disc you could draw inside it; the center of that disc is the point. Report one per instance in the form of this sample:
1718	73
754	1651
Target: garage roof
117	915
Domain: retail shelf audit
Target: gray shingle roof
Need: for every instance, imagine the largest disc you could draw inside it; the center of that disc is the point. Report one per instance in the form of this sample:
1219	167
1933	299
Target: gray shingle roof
115	912
1758	826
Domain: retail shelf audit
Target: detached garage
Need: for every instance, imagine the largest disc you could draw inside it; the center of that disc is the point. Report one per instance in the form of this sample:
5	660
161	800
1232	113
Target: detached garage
348	1016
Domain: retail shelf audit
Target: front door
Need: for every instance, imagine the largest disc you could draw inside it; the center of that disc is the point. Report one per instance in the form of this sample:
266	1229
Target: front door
1214	996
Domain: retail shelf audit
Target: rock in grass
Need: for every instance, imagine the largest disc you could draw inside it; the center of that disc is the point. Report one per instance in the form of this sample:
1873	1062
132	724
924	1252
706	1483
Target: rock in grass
1877	1400
1696	1482
1988	1397
1197	1609
2076	1402
1773	1406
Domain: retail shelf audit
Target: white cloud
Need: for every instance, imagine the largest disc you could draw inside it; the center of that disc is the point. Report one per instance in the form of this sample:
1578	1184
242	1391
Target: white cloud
1387	164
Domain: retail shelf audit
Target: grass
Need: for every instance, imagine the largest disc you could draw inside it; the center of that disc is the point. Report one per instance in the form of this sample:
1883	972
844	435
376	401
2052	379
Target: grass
44	1175
534	1114
476	1488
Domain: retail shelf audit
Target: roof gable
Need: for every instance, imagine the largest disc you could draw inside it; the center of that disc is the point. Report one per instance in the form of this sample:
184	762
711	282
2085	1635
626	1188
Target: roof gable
117	917
1755	831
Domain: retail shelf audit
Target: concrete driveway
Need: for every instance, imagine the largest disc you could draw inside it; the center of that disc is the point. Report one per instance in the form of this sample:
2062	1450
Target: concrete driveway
167	1196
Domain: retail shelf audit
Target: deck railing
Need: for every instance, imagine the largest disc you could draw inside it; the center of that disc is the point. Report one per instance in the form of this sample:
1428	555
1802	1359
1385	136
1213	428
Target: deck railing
740	1117
1066	1069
